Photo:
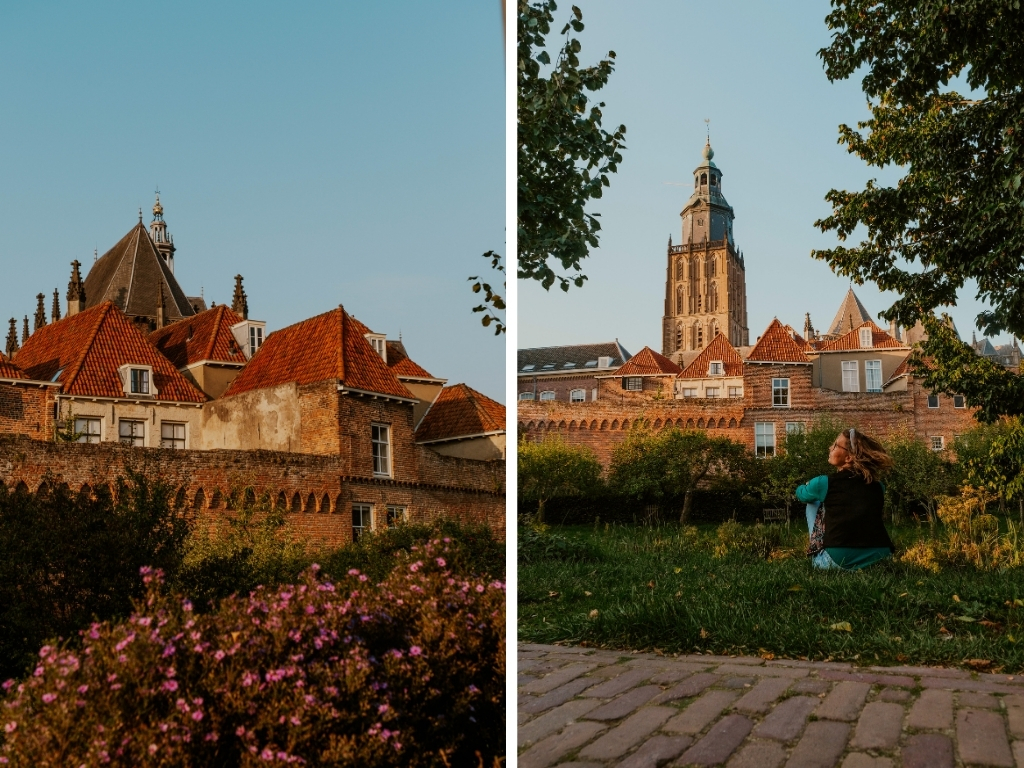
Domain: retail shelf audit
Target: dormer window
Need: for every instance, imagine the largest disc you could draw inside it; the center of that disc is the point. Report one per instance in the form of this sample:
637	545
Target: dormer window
866	341
137	380
604	362
715	368
379	343
255	339
249	335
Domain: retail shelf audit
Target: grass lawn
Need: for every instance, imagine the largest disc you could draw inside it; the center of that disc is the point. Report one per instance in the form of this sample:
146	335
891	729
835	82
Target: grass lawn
658	588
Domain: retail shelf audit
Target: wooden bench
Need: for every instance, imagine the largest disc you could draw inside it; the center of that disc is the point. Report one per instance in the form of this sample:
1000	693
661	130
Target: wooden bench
778	515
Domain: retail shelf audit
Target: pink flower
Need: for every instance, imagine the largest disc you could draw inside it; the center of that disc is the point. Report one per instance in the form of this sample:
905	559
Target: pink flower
38	672
441	562
10	727
83	688
267	754
122	659
145	621
415	650
152	749
479	587
45	651
48	697
218	655
353	572
169	685
197	715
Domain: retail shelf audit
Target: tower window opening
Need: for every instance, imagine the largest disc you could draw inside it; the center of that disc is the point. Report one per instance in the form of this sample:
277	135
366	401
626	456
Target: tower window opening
700	336
703	179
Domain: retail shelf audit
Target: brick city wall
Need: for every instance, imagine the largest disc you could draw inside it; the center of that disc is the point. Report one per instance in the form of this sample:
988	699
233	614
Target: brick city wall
27	410
316	491
603	425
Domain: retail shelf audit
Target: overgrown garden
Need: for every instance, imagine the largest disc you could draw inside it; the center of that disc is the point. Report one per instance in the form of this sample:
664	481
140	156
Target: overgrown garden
132	633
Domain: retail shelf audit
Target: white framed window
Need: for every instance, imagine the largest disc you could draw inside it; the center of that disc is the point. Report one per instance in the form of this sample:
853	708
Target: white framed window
578	396
689	392
715	368
362	519
866	340
172	435
139	381
379	343
795	428
937	442
604	362
255	338
851	376
131	432
380	437
873	375
634	383
711	392
764	438
88	429
526	395
735	391
959	402
933	401
780	393
593	394
547	395
396	515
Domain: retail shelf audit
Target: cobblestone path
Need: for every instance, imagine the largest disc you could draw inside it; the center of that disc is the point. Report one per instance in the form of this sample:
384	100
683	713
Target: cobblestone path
585	708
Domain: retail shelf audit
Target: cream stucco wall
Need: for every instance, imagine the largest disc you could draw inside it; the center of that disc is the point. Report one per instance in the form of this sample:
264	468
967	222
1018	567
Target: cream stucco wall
827	369
151	414
267	419
485	448
212	379
426	393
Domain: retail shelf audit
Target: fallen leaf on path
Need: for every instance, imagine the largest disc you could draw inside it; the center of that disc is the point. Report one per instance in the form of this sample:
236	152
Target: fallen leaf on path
588	594
841	626
704	634
594	613
650	584
943	630
904	594
990	624
795	588
552	594
978	663
968	619
956	598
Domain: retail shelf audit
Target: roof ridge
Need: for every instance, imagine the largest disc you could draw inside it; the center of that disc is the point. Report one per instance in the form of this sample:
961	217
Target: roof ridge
104	310
135	261
218	317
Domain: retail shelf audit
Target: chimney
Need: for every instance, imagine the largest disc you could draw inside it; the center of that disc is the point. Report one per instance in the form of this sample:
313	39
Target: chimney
76	290
12	338
40	319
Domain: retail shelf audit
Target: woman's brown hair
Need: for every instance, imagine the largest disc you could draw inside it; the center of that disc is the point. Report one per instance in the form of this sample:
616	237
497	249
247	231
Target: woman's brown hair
867	456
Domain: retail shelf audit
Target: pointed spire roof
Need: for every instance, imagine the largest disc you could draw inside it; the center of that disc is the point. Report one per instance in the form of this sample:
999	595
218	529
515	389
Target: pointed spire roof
852	314
328	346
131	274
776	346
647	362
718	349
12	338
461	412
239	301
84	352
851	341
206	336
40	318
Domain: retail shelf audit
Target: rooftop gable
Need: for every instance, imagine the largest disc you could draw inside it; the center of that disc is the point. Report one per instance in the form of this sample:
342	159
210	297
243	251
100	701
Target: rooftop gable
132	275
403	366
851	341
461	411
852	314
569	358
718	349
84	352
205	336
776	346
328	346
647	362
8	370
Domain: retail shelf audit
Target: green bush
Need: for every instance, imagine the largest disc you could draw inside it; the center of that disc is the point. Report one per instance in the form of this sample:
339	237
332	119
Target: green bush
407	672
535	543
757	541
554	468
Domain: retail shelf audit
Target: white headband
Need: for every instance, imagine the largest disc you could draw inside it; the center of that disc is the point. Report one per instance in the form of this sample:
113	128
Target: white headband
853	441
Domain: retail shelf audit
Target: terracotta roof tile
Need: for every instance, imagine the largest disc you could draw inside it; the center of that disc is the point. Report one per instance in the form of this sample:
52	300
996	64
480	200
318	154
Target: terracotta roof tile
206	336
460	411
776	346
328	346
647	362
718	349
569	358
402	366
9	370
903	369
850	341
83	353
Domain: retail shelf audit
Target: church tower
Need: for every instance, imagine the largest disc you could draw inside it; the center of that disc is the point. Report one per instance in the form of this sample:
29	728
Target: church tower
705	283
161	237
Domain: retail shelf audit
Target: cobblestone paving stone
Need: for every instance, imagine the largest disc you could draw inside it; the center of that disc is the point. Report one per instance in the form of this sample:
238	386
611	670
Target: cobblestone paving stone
580	708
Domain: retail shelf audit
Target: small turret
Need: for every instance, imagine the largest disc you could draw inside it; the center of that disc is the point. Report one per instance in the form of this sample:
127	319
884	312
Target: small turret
239	301
55	310
12	339
76	290
161	237
24	331
40	319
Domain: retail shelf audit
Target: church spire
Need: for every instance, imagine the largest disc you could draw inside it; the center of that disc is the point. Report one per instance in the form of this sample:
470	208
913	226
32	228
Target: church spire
12	338
55	311
76	290
40	319
161	237
24	331
239	301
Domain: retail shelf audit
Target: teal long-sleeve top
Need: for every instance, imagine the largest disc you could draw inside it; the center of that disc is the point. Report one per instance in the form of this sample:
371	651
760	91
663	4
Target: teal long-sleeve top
852	558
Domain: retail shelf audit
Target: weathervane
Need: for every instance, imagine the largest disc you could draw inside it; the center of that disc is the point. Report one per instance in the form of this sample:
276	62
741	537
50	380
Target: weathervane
707	122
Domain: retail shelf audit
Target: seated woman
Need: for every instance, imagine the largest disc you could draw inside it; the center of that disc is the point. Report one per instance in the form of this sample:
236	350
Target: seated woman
844	510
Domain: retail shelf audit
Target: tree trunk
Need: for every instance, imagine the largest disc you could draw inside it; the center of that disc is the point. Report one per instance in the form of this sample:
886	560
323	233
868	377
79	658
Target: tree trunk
540	511
684	516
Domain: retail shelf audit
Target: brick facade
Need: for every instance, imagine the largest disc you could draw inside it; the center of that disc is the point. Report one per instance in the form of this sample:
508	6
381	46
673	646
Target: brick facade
26	409
317	491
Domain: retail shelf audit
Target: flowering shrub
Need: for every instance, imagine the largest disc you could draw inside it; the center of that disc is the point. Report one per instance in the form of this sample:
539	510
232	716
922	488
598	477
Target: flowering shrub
407	672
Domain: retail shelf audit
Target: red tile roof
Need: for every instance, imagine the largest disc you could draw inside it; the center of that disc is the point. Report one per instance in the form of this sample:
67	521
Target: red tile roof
9	370
801	342
206	336
850	341
83	353
328	346
718	349
903	369
460	411
647	362
776	346
402	366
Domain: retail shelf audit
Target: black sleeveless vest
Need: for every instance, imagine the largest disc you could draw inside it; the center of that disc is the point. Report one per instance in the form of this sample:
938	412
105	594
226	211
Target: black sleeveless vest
853	512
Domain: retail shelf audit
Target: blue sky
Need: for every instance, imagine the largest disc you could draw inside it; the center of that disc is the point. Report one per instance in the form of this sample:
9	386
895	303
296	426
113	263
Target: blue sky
752	69
331	153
